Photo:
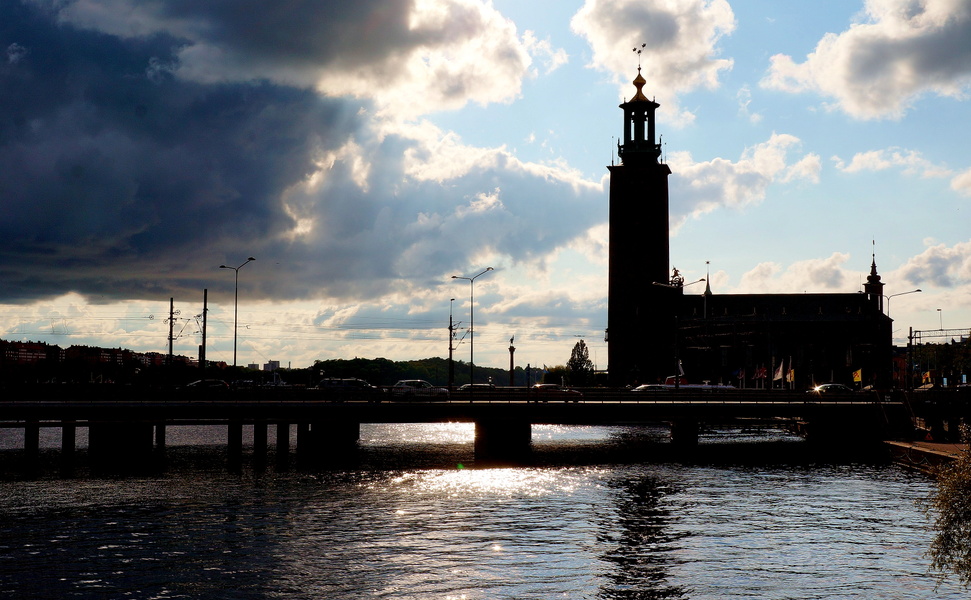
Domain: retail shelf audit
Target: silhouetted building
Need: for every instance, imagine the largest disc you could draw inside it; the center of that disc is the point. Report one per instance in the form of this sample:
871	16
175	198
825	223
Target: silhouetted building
746	340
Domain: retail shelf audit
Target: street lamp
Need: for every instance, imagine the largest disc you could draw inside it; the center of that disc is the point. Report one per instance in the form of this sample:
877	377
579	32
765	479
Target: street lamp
471	281
900	294
236	302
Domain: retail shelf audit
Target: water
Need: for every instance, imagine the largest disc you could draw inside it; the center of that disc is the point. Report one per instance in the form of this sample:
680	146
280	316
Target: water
601	513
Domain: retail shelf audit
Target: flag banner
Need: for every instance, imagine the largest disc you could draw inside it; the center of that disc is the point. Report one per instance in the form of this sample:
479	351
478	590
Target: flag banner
760	373
858	375
778	373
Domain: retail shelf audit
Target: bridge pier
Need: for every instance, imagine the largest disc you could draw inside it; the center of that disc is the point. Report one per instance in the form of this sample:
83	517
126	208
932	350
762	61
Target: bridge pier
259	445
326	442
31	448
121	447
282	446
502	441
69	435
235	449
684	433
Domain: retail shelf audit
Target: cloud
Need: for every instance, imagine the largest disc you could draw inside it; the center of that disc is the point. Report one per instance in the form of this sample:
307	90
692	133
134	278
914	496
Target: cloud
701	187
939	265
880	66
407	58
909	161
681	42
814	276
129	174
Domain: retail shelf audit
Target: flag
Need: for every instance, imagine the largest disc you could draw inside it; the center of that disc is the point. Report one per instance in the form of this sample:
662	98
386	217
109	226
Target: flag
858	375
791	375
760	373
778	373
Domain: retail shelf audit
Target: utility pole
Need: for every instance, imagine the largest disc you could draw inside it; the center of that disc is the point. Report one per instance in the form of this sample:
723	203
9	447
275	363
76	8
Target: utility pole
451	338
171	328
202	348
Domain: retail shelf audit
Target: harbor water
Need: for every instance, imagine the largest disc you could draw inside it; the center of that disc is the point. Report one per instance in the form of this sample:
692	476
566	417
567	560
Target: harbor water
595	513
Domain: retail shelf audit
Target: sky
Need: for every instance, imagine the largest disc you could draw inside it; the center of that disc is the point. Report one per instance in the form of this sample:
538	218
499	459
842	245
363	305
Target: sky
365	153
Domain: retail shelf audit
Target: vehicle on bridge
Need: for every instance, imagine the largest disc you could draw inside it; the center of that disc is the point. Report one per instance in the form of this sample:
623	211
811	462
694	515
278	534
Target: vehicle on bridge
417	389
831	389
545	392
338	389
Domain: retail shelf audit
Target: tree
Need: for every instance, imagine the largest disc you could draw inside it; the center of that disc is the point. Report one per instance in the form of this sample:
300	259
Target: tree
950	550
580	365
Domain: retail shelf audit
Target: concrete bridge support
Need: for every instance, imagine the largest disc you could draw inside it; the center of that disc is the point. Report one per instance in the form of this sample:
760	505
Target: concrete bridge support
326	442
282	446
123	447
69	435
259	445
502	441
684	433
235	439
31	448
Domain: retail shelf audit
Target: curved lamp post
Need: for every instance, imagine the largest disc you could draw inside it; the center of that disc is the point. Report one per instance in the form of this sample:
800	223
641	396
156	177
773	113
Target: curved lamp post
236	302
900	294
471	281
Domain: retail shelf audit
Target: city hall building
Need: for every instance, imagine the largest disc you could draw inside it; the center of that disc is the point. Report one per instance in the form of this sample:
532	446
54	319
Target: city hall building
747	340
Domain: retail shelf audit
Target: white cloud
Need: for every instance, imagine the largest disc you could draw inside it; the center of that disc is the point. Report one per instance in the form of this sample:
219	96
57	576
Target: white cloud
814	276
962	183
880	66
701	187
681	42
909	161
939	265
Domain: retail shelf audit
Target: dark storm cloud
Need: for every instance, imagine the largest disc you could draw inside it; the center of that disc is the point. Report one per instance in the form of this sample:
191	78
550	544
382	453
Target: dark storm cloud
116	176
124	176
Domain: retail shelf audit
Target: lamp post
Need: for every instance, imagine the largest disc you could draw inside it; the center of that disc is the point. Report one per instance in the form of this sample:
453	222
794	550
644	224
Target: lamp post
900	294
236	302
471	281
451	338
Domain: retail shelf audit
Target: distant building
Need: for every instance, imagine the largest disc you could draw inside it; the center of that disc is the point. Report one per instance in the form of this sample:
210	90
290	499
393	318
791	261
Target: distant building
763	340
272	365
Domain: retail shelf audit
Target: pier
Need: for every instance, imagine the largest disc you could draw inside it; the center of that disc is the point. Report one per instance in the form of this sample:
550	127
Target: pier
127	427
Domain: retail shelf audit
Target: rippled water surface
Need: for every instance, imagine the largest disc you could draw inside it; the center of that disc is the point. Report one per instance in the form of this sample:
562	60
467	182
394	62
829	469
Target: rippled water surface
413	519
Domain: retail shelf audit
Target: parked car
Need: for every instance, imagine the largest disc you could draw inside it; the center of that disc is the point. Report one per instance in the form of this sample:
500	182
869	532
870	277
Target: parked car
831	389
477	386
545	392
417	389
208	384
337	389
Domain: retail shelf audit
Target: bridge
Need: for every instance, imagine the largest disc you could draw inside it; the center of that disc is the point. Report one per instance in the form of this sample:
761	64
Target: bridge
127	426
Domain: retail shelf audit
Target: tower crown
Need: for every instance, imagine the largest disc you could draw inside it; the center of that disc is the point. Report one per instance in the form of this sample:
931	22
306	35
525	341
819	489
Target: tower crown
639	132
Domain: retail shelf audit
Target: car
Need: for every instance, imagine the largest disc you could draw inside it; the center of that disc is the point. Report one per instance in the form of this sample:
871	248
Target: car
208	384
831	389
545	392
411	389
338	389
652	387
477	386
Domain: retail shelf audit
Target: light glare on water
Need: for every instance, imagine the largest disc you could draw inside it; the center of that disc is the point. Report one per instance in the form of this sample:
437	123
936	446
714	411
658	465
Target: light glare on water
595	529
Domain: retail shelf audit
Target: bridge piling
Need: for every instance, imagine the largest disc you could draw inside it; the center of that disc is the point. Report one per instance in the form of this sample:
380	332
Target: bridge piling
259	445
502	441
684	433
282	446
235	435
68	447
120	447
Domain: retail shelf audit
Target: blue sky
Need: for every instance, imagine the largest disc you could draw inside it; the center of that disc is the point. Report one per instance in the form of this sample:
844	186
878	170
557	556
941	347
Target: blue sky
364	155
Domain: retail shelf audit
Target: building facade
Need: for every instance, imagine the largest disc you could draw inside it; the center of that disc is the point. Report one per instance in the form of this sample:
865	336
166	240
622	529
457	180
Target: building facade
654	330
